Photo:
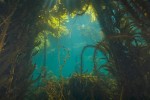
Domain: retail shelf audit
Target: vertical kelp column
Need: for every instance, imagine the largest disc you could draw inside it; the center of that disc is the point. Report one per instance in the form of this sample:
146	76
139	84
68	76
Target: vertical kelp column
127	41
18	29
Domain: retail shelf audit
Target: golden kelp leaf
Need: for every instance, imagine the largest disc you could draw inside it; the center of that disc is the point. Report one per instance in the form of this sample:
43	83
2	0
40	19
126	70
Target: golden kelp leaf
41	38
92	13
53	21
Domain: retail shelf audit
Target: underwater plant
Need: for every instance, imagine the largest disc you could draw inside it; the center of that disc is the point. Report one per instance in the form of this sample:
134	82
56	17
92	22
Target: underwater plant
66	57
84	87
18	33
126	24
53	20
101	46
126	40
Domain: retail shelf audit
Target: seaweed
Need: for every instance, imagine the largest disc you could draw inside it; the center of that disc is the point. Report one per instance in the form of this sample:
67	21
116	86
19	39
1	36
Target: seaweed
126	46
81	87
16	46
100	46
126	49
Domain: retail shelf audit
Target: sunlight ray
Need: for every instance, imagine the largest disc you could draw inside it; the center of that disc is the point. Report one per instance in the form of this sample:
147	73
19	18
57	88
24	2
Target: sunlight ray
67	4
51	3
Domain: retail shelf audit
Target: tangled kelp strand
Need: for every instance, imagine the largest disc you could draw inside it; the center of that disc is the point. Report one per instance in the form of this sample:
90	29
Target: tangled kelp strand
80	87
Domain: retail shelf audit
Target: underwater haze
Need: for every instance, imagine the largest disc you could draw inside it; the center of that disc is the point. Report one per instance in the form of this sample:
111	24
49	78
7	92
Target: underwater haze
74	49
82	32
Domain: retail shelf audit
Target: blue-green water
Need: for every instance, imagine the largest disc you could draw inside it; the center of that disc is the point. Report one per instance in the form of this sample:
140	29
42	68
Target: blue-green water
82	32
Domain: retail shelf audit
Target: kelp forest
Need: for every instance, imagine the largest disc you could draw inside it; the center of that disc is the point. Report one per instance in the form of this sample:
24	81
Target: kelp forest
119	61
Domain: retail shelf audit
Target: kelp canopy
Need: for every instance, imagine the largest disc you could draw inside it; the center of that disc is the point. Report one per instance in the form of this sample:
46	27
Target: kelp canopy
126	24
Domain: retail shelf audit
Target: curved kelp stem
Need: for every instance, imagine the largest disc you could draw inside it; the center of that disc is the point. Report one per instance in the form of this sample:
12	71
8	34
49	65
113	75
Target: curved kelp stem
101	47
81	57
44	56
94	61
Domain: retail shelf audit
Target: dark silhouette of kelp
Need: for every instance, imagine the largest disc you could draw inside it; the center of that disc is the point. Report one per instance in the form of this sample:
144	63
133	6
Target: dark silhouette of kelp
18	30
130	59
